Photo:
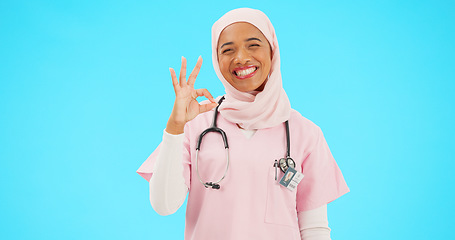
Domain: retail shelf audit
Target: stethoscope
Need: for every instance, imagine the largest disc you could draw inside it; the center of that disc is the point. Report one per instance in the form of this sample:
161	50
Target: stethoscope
283	163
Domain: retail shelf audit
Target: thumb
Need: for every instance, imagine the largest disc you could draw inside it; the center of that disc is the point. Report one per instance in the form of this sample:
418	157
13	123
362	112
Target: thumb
207	107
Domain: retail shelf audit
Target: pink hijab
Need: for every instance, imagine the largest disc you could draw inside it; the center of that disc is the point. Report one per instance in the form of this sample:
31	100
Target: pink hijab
267	108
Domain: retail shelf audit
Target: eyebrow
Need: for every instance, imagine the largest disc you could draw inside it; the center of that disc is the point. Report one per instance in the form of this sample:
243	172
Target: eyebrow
224	44
249	39
253	38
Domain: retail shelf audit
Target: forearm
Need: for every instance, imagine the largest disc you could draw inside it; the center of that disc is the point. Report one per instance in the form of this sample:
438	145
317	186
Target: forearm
167	185
313	224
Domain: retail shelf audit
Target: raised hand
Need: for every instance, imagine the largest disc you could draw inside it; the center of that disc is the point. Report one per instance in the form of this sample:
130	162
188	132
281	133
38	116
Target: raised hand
186	107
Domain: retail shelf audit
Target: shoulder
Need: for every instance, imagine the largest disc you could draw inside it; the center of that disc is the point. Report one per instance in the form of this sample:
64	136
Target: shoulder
300	123
303	130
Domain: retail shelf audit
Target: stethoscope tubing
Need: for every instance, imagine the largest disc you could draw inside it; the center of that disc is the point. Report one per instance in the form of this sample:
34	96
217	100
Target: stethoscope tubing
213	128
283	163
210	184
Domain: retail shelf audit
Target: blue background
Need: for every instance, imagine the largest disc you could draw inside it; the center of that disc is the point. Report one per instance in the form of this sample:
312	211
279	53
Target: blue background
85	94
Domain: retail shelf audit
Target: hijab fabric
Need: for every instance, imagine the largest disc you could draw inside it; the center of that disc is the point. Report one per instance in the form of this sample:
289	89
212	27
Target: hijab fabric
255	110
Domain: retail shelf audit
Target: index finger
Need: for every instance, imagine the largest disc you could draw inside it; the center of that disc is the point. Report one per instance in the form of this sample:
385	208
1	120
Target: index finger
175	82
204	92
183	72
195	72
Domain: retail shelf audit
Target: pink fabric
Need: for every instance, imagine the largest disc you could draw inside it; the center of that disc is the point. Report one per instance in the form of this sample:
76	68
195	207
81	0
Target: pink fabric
146	169
269	107
250	203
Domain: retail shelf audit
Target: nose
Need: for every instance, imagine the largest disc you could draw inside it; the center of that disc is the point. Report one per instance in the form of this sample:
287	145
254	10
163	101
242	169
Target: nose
242	57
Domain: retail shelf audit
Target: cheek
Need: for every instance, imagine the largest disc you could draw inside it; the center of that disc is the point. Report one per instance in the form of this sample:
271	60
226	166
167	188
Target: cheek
264	57
224	68
224	65
267	62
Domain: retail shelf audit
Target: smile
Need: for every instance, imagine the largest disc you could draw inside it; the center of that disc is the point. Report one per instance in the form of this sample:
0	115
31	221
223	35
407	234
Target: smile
245	72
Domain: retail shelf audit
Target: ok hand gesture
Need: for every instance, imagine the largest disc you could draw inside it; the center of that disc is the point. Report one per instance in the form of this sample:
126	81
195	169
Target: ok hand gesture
186	107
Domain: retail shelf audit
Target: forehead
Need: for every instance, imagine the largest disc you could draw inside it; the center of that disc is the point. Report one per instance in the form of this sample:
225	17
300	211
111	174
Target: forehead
240	31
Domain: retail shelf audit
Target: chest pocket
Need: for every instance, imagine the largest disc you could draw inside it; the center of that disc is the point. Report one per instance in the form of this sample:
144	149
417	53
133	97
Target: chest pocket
281	202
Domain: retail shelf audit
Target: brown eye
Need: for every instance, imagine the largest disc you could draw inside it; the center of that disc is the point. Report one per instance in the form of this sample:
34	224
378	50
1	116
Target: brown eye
254	45
226	50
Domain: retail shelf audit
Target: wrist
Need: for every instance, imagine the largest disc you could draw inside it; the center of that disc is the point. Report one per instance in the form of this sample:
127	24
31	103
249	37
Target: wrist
174	128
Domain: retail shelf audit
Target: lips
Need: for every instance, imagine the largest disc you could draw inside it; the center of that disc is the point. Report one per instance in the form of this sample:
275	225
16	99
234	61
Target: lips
245	72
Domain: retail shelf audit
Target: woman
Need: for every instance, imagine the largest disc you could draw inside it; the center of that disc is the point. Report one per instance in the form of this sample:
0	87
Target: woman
249	202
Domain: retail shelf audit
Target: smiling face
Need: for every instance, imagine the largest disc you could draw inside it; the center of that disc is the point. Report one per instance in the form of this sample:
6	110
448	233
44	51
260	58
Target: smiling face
244	57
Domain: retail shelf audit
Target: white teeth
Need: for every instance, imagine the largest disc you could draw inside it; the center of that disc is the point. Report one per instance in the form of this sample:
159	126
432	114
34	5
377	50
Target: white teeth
245	72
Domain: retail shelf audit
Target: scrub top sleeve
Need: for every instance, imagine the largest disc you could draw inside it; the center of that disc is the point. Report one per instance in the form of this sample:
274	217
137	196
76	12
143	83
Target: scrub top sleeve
147	167
323	181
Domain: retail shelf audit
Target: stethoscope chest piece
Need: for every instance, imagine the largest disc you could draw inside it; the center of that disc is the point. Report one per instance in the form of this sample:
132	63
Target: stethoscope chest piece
285	163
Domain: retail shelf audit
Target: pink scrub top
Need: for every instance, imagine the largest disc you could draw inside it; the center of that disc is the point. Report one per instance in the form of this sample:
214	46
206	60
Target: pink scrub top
250	204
